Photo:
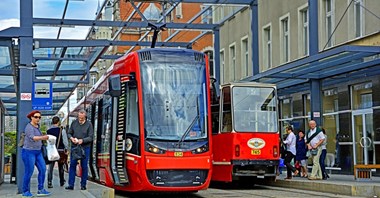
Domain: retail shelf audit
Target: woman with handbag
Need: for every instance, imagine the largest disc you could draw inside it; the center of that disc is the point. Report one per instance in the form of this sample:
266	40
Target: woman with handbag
32	155
61	145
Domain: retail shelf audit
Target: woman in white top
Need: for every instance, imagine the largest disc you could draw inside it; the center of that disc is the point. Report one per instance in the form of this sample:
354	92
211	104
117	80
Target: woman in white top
323	156
290	152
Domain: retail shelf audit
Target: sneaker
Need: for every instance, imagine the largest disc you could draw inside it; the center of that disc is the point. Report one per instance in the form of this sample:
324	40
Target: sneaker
83	188
43	192
69	188
27	194
50	185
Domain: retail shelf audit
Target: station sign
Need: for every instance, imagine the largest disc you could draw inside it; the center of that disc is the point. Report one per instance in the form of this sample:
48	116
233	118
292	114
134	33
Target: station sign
42	96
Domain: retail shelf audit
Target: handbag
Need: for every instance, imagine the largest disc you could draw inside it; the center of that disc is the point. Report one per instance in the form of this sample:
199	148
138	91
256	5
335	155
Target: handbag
314	151
22	139
62	154
77	152
45	154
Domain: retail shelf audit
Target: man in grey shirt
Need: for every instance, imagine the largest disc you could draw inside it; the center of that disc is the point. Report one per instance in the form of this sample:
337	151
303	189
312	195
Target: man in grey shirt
81	133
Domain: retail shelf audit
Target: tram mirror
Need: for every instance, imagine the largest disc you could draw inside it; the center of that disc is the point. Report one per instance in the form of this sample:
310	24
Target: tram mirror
114	85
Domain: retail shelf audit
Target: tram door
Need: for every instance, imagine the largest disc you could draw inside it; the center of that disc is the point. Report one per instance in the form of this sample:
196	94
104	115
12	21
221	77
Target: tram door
364	137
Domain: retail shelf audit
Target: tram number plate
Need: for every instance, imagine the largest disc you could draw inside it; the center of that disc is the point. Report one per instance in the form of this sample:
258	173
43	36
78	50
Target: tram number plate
256	152
178	154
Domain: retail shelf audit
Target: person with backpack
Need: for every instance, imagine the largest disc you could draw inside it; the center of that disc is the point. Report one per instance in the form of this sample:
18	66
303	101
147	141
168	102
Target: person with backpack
61	145
314	141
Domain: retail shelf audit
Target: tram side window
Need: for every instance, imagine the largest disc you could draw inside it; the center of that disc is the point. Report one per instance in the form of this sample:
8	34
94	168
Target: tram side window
106	132
226	110
132	113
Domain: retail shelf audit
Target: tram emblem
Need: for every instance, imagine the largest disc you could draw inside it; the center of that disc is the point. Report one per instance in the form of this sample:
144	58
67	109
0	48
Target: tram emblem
256	143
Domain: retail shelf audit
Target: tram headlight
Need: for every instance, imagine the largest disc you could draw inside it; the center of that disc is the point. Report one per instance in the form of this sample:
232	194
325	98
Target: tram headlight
201	149
154	149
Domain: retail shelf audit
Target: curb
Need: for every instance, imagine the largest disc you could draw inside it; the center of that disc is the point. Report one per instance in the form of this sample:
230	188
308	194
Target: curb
340	189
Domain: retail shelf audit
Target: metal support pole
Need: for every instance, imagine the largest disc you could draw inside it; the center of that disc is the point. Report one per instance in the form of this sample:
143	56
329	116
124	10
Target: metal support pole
217	60
315	101
255	38
25	80
313	27
315	85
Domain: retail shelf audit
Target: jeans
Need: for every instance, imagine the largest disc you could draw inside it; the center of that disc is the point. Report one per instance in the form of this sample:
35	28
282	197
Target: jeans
84	166
31	158
288	158
60	171
322	162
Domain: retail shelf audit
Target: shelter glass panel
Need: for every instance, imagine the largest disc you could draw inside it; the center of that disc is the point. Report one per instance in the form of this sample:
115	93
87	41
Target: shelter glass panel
5	60
6	81
47	52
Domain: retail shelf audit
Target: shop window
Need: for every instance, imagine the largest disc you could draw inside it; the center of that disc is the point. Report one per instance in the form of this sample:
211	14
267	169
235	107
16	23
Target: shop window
286	108
307	105
330	101
362	96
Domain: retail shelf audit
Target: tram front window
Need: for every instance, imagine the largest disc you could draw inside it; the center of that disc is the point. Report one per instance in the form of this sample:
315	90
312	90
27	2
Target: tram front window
254	109
174	99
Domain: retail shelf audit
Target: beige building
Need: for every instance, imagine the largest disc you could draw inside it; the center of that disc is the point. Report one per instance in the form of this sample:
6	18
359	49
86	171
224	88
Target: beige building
283	32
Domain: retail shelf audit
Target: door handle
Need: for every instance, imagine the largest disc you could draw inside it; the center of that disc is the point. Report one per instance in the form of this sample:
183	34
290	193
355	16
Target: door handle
365	142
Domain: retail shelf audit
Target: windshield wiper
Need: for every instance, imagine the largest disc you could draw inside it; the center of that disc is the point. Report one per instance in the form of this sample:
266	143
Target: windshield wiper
190	126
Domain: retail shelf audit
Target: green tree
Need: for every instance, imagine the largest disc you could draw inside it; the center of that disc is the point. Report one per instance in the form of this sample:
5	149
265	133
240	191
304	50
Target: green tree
10	144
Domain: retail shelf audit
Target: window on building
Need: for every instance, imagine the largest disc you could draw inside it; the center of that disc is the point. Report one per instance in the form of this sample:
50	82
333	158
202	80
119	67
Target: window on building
206	17
329	7
285	51
93	79
267	48
178	11
304	30
232	65
244	53
222	65
358	18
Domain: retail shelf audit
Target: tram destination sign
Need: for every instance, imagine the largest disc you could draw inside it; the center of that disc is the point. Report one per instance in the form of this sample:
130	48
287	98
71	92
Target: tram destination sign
42	96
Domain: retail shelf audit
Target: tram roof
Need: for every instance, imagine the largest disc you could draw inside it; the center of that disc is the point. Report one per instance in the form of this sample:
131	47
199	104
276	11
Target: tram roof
67	62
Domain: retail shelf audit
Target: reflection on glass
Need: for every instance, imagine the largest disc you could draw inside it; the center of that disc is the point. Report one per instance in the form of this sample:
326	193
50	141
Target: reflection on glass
174	100
254	109
330	101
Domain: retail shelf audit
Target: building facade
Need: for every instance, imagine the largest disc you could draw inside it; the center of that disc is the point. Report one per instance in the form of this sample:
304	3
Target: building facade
350	108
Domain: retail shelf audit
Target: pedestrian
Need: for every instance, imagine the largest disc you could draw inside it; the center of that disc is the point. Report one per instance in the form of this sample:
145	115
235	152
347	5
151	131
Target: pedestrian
337	149
80	133
61	145
314	141
32	155
290	152
301	150
323	156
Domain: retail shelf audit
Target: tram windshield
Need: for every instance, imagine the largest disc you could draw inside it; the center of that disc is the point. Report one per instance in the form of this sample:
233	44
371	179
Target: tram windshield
174	98
254	109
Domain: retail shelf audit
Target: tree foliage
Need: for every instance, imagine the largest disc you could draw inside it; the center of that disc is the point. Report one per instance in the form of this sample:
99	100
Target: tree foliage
10	142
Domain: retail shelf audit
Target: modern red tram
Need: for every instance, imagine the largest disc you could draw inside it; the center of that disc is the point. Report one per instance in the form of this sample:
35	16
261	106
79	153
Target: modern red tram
245	132
151	120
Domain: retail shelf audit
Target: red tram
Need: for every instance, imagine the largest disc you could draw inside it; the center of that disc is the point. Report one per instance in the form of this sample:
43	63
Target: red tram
152	122
245	132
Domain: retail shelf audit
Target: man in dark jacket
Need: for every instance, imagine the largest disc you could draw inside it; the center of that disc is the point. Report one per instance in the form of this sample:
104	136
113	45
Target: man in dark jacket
81	133
61	136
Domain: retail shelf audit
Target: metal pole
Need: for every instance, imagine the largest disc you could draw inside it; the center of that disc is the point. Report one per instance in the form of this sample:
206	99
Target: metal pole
255	38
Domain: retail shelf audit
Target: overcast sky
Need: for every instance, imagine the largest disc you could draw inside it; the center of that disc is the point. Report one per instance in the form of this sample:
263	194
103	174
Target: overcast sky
77	9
